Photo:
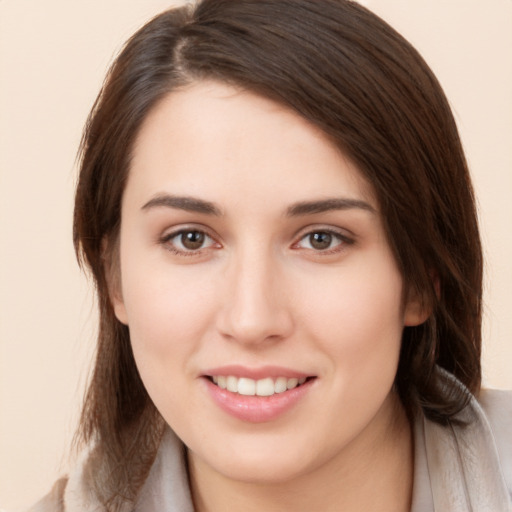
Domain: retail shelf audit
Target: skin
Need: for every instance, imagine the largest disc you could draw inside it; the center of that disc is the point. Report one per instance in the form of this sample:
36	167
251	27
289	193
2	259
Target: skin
259	291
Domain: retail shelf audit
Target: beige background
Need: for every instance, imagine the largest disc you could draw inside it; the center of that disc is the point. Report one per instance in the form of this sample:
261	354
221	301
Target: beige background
53	56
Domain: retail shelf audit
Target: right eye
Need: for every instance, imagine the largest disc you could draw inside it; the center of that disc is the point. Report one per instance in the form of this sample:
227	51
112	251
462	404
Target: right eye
321	241
188	241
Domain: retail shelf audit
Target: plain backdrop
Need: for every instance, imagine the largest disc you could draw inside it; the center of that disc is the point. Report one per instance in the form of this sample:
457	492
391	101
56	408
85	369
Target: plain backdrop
53	56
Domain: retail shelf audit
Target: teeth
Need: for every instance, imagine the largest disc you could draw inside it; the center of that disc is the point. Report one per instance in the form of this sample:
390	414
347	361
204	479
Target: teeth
261	387
265	387
292	383
280	385
232	384
246	387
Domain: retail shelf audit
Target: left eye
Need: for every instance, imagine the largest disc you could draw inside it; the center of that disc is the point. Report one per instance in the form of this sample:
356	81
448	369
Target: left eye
320	241
189	240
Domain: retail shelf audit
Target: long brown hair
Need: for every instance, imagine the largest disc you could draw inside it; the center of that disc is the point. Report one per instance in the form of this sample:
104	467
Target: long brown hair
346	71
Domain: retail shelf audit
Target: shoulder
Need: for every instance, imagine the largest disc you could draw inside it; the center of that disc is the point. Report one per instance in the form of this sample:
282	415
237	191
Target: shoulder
470	459
72	493
497	406
54	500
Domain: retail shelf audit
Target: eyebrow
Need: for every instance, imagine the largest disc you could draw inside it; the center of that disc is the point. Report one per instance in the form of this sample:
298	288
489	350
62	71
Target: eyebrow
193	204
325	205
189	204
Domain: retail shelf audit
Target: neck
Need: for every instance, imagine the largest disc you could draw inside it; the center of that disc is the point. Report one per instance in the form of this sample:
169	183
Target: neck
375	472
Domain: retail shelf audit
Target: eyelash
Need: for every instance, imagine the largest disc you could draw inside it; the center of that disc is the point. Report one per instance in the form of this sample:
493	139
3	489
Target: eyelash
343	241
166	240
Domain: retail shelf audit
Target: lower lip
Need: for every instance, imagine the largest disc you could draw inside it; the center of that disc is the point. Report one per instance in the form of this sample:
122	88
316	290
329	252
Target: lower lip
257	409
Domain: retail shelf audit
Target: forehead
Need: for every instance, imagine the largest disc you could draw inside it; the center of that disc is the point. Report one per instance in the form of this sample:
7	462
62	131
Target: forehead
211	139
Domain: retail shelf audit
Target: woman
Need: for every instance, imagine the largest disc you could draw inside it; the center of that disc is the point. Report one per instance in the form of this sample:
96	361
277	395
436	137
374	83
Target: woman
275	206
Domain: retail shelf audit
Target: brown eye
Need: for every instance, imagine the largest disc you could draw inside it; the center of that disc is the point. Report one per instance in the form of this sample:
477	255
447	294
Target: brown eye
192	240
323	241
188	241
320	241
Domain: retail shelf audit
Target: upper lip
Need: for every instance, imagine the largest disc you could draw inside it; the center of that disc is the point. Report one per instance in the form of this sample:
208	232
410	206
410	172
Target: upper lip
255	373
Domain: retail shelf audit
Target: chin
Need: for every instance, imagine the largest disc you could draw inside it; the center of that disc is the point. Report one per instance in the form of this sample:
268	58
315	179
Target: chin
264	472
259	465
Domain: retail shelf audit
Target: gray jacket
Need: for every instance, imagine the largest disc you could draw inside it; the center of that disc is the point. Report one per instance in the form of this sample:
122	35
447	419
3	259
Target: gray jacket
456	469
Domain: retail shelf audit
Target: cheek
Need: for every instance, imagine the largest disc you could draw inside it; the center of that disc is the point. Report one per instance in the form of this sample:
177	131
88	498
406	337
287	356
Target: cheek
358	302
356	317
168	311
169	322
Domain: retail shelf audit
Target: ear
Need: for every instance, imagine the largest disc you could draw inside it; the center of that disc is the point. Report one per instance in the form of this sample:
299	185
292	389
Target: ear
415	313
419	304
417	309
112	268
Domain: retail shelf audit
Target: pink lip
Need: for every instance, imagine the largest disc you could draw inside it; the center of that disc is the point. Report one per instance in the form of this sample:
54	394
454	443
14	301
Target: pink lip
257	409
255	373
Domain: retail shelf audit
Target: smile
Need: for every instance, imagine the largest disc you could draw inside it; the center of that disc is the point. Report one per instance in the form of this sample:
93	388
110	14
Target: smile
267	386
260	399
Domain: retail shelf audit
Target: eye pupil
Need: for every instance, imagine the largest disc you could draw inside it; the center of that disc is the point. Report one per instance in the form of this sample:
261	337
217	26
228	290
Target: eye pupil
192	239
320	240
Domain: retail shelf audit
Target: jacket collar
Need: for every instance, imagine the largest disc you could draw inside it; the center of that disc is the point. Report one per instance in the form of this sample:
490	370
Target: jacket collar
457	469
464	465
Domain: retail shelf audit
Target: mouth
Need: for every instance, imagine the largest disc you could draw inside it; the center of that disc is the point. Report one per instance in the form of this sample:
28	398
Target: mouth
267	386
257	395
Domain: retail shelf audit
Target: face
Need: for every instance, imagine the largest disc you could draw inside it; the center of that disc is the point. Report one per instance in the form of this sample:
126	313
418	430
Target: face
263	301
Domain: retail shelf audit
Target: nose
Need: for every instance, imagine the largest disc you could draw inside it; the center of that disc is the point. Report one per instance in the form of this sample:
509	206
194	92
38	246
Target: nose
256	308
